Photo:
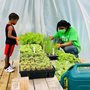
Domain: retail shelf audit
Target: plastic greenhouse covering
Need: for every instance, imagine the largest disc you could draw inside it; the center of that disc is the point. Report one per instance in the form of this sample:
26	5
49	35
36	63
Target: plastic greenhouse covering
42	16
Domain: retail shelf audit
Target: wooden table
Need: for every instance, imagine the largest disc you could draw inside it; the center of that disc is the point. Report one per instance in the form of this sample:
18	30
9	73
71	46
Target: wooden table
8	81
36	84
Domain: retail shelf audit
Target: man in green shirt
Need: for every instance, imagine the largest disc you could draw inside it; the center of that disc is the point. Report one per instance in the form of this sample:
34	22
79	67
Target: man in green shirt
68	37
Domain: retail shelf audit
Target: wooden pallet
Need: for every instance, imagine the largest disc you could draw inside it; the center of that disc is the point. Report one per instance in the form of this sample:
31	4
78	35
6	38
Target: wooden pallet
6	78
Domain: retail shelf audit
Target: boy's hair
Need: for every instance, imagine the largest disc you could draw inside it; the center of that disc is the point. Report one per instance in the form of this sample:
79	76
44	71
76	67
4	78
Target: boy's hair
63	23
13	16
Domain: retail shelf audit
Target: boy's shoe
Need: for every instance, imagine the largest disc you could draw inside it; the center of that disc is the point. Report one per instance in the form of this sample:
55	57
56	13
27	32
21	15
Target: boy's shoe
12	66
9	69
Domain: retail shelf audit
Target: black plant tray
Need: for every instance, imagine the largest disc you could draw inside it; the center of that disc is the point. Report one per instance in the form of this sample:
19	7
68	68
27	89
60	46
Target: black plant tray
53	57
38	73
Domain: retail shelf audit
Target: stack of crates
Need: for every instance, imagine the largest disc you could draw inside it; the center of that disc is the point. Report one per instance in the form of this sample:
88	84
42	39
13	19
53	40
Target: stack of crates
77	77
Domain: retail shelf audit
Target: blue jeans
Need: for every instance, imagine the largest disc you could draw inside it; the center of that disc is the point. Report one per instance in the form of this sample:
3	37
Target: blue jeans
71	49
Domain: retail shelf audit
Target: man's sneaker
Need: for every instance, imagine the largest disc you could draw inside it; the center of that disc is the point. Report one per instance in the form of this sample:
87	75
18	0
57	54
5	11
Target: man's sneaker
12	66
9	69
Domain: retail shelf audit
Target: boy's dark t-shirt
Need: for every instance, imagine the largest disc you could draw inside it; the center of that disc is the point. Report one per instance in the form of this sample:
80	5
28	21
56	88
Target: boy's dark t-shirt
10	40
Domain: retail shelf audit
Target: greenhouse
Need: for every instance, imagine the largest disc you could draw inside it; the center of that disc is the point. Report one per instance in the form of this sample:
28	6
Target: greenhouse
44	45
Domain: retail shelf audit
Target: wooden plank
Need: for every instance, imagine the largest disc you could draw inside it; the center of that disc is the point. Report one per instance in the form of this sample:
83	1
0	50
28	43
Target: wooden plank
4	80
1	67
15	84
13	75
31	84
2	63
40	84
24	83
1	71
53	84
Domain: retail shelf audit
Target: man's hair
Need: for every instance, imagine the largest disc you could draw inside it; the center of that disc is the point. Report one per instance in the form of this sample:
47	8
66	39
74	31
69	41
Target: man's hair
63	23
13	16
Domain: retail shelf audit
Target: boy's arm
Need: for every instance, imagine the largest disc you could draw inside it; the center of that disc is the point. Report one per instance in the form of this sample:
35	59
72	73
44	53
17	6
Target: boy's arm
10	28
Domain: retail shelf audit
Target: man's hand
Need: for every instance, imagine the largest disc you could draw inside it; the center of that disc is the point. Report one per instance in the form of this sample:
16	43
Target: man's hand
51	37
64	44
58	45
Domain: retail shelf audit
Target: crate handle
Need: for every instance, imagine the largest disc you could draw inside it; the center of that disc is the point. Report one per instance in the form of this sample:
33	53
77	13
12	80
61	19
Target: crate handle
64	76
81	65
62	79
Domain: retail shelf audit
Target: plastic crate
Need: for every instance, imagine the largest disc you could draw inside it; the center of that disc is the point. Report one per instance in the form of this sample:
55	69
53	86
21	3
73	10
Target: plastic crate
77	77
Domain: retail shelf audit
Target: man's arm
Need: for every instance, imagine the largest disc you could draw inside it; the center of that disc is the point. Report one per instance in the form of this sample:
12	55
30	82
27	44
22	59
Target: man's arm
64	44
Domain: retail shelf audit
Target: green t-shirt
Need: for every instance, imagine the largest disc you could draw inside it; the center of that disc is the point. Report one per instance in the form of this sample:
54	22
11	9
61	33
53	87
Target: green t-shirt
70	35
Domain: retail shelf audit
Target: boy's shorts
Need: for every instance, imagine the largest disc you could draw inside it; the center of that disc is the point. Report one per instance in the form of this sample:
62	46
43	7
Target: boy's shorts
9	49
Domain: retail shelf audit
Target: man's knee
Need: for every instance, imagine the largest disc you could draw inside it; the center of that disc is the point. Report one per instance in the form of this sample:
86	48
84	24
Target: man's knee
71	49
68	48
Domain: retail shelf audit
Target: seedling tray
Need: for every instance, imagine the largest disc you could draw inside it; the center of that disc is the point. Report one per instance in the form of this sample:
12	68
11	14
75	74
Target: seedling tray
38	73
53	57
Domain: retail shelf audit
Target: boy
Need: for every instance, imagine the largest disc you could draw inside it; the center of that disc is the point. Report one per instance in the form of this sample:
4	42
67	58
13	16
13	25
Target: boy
11	40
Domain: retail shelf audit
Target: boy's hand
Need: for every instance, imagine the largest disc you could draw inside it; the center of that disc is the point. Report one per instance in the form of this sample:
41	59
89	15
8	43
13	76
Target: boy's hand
16	42
58	45
17	38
